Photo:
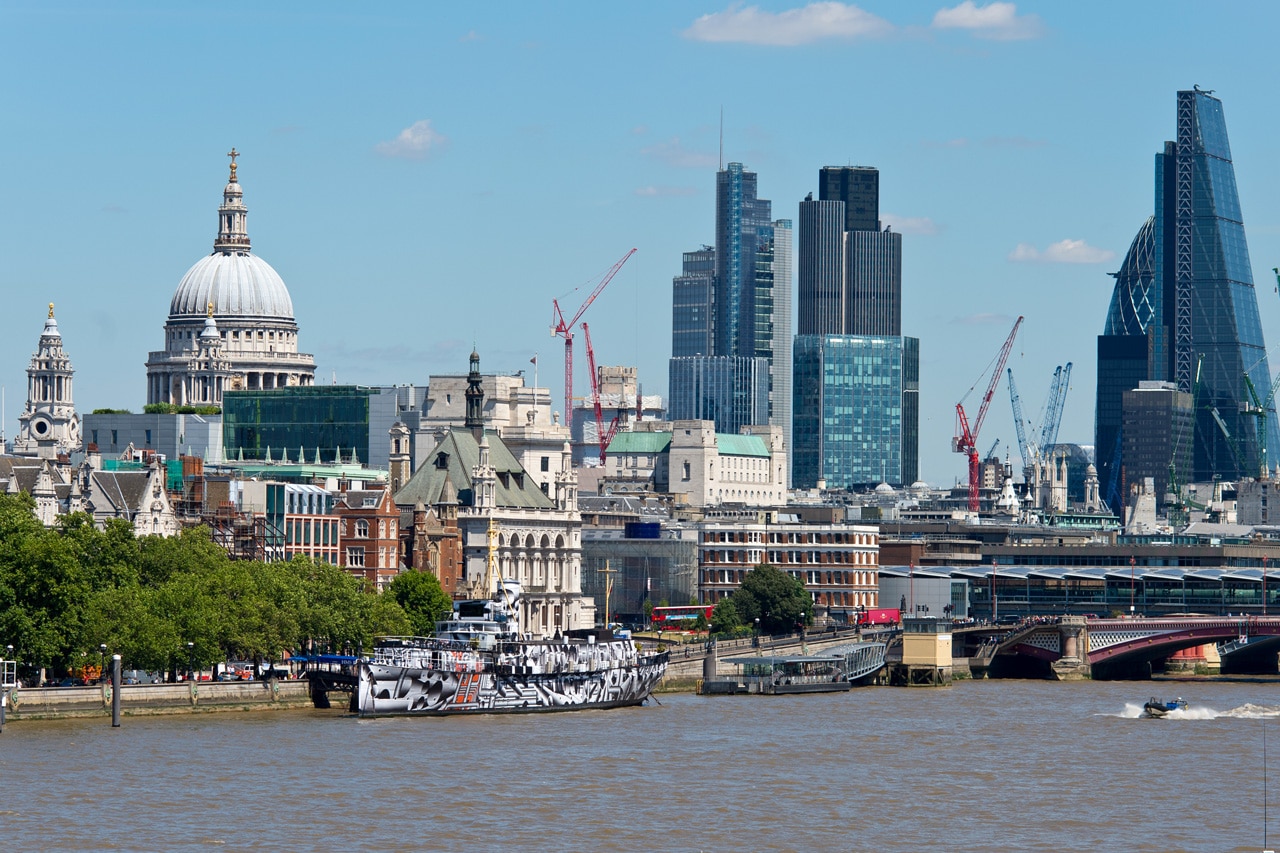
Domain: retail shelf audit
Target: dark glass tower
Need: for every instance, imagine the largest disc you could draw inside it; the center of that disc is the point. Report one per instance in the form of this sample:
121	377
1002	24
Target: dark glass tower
856	379
1186	288
692	303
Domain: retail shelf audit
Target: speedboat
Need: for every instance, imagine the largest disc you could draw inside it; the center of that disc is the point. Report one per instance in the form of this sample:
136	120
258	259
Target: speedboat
1158	708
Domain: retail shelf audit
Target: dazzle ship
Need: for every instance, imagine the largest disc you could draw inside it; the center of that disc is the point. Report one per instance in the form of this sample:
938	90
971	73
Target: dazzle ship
478	662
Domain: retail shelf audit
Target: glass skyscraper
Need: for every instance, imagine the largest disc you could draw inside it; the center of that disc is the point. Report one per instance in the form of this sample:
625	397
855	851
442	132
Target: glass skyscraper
857	411
733	302
1186	288
856	380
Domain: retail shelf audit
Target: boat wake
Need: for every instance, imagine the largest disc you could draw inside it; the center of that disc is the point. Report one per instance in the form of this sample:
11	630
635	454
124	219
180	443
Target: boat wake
1247	711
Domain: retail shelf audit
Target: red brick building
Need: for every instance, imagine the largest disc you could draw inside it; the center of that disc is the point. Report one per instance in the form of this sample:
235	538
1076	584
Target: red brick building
370	535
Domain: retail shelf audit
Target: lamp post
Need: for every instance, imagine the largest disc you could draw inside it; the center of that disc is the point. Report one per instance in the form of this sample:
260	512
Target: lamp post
995	568
1264	585
1133	582
191	661
102	661
755	638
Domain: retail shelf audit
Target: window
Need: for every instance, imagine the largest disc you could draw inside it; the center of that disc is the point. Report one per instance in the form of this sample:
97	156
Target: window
362	529
546	463
355	557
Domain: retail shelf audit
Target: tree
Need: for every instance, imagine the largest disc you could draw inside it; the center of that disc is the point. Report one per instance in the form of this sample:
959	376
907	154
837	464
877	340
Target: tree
724	618
774	597
423	601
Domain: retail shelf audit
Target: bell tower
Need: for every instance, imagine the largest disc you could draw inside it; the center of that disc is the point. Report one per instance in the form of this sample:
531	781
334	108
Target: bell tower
49	424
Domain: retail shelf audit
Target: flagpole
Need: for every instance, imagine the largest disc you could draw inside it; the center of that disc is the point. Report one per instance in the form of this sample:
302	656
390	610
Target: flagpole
535	371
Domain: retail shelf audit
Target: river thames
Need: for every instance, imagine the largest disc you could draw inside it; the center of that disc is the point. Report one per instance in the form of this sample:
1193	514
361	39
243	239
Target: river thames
994	765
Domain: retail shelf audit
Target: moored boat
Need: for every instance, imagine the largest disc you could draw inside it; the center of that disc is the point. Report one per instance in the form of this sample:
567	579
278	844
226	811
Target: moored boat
478	662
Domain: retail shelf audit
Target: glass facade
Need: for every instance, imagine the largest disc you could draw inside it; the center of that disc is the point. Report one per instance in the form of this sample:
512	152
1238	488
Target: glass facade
733	392
1186	286
322	419
856	418
692	303
1122	363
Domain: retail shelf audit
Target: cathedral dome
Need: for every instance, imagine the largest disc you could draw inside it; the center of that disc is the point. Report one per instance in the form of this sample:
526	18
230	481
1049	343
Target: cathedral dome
237	284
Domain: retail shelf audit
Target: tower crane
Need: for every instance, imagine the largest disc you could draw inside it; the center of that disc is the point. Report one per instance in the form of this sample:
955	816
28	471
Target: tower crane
604	436
966	439
1260	409
1057	397
1016	400
565	330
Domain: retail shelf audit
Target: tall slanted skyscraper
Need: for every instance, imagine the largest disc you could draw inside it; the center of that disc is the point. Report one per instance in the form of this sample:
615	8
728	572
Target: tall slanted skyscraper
856	379
1184	310
731	316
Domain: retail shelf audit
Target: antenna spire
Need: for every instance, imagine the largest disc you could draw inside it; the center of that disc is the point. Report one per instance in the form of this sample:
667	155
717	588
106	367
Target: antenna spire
722	137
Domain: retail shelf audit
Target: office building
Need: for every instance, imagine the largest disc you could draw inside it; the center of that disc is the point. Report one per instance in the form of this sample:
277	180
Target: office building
731	310
857	408
1186	288
856	379
1157	423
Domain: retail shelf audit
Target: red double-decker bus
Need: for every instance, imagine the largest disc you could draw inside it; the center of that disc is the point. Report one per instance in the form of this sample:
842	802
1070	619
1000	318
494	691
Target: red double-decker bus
680	618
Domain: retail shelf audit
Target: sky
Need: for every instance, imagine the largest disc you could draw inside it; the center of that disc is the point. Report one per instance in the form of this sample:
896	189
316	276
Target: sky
427	177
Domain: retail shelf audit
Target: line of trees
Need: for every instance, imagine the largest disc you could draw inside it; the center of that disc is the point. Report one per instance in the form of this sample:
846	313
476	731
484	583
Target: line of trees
67	591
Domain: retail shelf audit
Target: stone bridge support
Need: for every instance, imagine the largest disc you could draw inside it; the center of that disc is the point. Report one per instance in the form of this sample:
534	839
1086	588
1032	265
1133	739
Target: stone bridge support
1074	642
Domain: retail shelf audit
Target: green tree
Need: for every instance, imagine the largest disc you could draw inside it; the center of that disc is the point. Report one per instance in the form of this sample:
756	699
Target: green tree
421	598
774	597
724	618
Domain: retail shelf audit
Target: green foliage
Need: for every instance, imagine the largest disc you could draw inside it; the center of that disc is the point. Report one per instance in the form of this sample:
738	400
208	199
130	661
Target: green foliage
67	591
423	601
774	597
112	412
724	618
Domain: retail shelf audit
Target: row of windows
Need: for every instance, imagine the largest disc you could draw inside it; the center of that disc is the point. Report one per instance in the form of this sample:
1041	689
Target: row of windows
809	578
774	537
785	558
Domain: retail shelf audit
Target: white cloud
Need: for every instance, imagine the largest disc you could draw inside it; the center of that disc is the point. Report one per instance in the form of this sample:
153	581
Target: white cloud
654	192
910	224
815	22
673	153
471	35
997	21
415	142
1062	252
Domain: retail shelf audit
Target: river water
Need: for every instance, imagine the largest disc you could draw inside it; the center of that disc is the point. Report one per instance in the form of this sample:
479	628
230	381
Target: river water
993	765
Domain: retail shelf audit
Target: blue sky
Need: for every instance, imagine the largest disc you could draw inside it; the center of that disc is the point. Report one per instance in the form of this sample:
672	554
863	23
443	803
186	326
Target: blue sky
425	177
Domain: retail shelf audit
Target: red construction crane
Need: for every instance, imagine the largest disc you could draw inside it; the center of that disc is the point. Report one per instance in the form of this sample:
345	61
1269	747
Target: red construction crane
966	440
565	330
595	397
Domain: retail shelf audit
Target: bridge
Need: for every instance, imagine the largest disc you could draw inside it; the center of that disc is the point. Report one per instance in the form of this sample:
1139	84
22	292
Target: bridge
1079	647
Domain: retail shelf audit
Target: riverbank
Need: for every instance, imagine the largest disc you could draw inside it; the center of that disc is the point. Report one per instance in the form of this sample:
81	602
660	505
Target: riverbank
47	703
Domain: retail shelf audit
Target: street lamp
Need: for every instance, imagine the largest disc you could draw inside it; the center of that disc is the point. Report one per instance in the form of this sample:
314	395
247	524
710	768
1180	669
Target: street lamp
102	661
191	661
755	639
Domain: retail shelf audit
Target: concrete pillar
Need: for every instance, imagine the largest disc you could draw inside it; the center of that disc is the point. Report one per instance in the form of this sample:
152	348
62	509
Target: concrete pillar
1073	638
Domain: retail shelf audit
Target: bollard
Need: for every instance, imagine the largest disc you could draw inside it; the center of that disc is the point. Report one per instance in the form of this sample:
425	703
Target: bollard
4	700
115	691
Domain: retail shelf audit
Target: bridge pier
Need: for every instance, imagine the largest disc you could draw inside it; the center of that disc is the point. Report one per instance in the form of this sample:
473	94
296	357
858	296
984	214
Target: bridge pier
1073	633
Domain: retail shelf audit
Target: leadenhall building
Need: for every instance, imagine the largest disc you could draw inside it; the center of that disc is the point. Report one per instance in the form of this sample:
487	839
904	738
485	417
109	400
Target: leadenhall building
231	324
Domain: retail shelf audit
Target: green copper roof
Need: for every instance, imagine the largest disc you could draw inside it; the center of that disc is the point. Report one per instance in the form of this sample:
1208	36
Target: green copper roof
640	442
741	445
452	460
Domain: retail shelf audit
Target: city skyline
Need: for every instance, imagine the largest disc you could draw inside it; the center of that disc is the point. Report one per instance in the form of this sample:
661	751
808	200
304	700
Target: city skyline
387	153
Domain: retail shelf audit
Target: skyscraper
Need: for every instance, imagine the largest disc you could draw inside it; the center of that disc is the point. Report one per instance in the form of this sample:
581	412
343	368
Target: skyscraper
856	380
1186	289
732	303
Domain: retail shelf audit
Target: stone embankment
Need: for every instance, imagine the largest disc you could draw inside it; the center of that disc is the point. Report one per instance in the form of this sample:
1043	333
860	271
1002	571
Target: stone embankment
44	703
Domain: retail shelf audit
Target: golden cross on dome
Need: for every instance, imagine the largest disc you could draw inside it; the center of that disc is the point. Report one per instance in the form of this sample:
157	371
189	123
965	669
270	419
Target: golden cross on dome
50	310
233	154
209	306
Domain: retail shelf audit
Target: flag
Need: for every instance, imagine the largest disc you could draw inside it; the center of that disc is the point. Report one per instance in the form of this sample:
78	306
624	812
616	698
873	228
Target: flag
534	360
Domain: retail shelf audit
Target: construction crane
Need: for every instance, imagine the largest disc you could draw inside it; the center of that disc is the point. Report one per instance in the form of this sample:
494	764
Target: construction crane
565	330
1057	397
1016	400
966	439
604	436
1259	409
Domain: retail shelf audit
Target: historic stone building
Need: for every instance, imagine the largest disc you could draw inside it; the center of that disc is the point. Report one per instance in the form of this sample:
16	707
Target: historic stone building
507	524
231	323
48	426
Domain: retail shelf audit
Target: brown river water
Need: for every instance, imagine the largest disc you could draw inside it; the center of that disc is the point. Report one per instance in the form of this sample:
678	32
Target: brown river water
994	765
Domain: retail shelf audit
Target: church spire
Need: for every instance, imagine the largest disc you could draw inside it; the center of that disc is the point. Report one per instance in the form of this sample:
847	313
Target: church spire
233	235
475	398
